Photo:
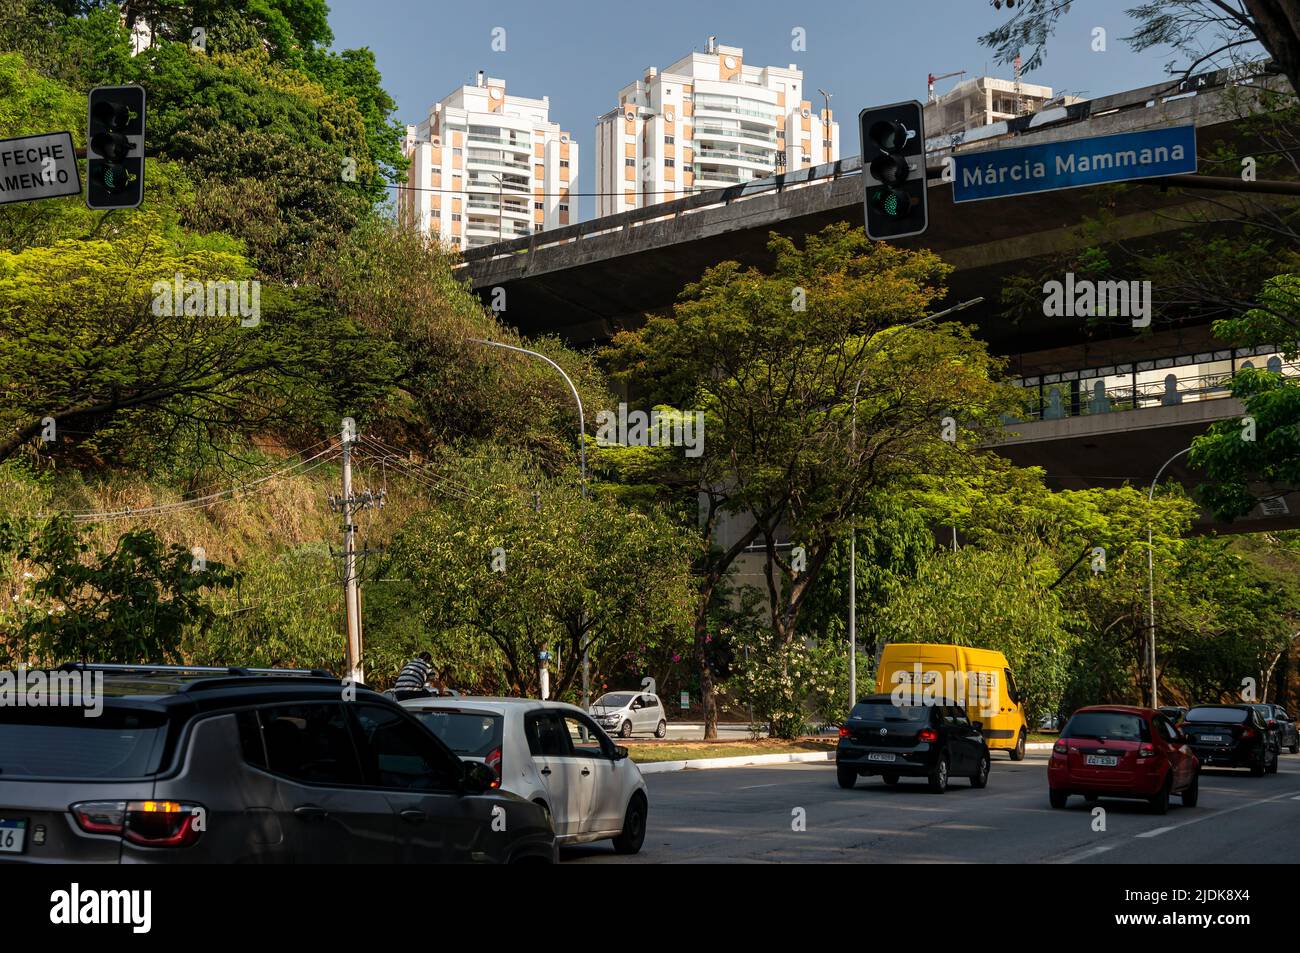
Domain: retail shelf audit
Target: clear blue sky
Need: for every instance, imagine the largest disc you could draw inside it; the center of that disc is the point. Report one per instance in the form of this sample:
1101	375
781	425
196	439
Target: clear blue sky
582	53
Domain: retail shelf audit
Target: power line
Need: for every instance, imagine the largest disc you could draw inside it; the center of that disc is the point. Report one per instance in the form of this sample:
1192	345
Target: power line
297	469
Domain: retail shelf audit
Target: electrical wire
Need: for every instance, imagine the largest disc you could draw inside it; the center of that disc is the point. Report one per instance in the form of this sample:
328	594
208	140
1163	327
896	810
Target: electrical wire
296	469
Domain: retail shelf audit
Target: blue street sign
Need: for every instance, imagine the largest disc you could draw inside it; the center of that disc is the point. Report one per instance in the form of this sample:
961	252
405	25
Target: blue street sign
1073	163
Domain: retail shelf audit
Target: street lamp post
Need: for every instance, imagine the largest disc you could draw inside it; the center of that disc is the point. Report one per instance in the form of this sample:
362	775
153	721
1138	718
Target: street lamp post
582	469
826	125
853	539
1151	578
501	207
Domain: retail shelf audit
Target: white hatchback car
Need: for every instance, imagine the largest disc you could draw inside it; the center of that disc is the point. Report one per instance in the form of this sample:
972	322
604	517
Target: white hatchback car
623	713
550	753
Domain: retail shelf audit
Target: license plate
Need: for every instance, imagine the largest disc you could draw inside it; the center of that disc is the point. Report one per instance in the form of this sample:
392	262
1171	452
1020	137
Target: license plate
13	834
1103	760
1217	739
880	756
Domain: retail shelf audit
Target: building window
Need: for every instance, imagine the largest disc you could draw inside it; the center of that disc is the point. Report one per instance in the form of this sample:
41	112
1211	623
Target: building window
540	206
537	228
564	163
668	163
457	151
631	162
668	140
687	167
455	216
564	206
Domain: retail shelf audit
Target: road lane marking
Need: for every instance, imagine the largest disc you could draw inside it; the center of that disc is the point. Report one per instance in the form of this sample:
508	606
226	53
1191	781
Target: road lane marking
1227	810
750	787
1081	855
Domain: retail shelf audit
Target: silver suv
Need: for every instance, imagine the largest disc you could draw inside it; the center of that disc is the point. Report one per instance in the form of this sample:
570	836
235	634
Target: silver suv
622	713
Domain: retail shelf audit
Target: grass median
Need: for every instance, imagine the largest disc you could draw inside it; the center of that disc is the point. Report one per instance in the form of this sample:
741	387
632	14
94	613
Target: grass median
649	752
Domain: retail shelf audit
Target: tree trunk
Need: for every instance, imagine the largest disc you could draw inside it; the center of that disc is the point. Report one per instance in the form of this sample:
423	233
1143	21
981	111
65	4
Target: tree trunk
1277	27
708	700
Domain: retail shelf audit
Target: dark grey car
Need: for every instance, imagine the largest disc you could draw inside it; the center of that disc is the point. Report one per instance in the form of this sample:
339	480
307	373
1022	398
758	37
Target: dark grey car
244	766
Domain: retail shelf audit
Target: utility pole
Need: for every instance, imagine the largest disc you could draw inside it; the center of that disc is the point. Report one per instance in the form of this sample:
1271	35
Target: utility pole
351	600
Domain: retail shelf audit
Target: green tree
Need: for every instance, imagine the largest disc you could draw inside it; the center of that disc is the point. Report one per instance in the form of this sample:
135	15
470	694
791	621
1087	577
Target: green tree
133	604
773	358
523	564
1201	32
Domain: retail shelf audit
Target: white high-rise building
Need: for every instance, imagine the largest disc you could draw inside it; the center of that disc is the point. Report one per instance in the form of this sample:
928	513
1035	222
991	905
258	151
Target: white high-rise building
708	121
486	165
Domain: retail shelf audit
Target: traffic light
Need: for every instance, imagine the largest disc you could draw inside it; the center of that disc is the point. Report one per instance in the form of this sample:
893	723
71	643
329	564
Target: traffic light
115	147
893	170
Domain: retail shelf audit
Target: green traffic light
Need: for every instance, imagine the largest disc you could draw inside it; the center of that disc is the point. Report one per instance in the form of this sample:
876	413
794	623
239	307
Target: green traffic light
892	202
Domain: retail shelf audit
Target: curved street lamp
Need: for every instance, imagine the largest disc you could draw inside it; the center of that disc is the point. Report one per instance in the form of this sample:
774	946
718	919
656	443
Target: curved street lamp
582	467
1151	578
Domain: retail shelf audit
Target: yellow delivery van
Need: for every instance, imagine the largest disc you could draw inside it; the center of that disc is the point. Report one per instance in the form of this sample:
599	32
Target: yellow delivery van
979	679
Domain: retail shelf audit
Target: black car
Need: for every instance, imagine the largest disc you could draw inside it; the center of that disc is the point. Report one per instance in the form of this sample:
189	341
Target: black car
187	765
1174	713
895	741
1276	717
1231	736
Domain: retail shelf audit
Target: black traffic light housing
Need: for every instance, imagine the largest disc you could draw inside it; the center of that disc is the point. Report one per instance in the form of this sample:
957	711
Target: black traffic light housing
893	169
115	147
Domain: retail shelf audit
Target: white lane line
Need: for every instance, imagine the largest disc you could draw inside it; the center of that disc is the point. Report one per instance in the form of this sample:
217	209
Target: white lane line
1090	852
1228	810
750	787
1155	833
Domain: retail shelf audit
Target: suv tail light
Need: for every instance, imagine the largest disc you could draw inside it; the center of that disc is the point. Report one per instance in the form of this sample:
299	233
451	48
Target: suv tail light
493	761
1060	747
147	823
1147	750
844	732
927	734
1248	733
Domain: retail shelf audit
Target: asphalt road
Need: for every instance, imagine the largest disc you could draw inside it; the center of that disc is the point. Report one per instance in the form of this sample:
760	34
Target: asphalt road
745	815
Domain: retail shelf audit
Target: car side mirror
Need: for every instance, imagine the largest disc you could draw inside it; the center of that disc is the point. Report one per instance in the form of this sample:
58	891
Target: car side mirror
476	777
620	752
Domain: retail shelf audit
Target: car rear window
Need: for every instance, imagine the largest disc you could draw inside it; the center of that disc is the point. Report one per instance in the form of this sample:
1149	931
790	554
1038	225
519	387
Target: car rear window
1229	716
470	734
888	711
613	701
117	744
1114	725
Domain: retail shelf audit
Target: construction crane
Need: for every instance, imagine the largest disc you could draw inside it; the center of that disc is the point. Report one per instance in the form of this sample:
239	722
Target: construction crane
934	79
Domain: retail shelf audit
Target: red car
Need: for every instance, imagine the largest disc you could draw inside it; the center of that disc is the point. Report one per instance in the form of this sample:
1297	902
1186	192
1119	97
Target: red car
1124	752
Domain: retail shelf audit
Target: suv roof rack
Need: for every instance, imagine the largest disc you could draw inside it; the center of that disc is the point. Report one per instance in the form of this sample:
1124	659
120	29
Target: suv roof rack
223	670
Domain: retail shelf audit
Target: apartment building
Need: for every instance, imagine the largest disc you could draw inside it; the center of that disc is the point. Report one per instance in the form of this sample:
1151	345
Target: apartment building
707	121
486	165
983	101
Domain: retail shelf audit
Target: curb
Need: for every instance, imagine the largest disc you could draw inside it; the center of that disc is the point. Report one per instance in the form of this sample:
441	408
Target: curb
741	761
703	764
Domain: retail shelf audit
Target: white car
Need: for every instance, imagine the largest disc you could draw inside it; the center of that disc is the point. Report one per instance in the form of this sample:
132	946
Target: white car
550	753
623	713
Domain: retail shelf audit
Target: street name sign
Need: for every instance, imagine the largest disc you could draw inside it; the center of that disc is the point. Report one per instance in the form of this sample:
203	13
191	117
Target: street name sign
1073	163
38	167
